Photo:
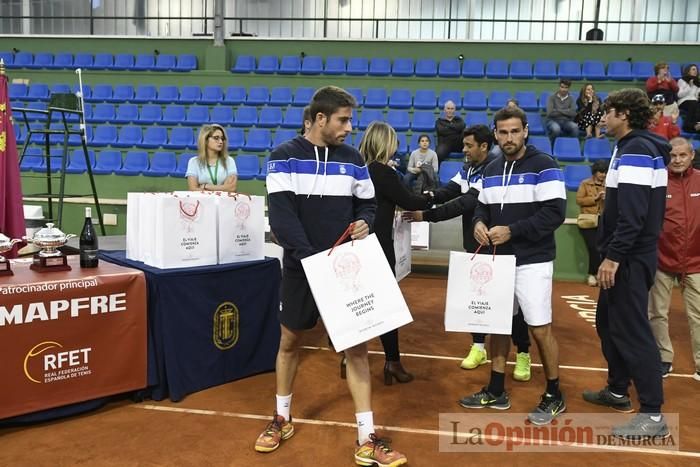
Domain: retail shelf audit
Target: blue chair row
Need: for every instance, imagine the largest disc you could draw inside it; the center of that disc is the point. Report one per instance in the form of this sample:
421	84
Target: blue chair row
100	61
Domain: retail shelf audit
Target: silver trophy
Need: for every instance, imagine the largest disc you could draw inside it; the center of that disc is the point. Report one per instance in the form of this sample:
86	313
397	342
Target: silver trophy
49	258
6	245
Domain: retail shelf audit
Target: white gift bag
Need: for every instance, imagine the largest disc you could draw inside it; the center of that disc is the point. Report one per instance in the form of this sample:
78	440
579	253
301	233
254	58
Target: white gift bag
480	293
356	293
146	239
185	232
420	234
402	246
132	226
241	220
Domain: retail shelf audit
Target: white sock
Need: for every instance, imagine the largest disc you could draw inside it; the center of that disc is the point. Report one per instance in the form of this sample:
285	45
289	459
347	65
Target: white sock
616	395
365	426
284	404
480	345
656	418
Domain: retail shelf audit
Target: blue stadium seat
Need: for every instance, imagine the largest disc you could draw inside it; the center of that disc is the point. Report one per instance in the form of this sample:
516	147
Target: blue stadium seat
129	135
76	164
212	95
173	114
123	62
244	64
102	61
474	100
258	95
42	60
7	57
473	68
33	158
258	139
402	140
245	116
544	69
498	99
144	93
197	115
379	67
144	62
642	71
107	162
620	71
20	134
154	137
267	64
263	168
75	139
236	138
597	149
376	98
100	93
423	120
357	94
521	69
535	124
54	138
270	117
221	115
17	91
56	161
247	166
400	99
181	138
135	163
290	65
368	116
541	142
281	96
83	60
403	67
674	68
150	114
570	69
574	175
103	113
450	95
334	66
188	62
165	62
37	116
190	94
283	135
23	60
527	100
567	149
497	69
448	169
357	66
127	113
105	135
122	93
449	68
593	70
235	95
182	163
162	164
293	118
302	96
37	92
424	99
544	97
62	60
398	119
476	118
426	67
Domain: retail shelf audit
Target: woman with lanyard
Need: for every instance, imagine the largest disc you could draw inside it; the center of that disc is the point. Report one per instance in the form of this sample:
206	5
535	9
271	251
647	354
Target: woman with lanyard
213	169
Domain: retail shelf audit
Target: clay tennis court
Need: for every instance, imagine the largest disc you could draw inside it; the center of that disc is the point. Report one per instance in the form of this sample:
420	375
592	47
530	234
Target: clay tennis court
218	426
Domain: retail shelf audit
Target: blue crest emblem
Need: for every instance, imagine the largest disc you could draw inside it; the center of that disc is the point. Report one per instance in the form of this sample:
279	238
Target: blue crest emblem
521	179
342	169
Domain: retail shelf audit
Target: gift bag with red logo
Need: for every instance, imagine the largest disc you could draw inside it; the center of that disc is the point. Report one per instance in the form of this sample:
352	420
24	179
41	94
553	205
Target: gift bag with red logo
355	291
241	228
480	293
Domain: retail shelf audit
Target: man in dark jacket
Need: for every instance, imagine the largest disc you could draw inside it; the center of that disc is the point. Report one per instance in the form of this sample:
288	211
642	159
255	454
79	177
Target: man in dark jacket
635	201
449	129
521	204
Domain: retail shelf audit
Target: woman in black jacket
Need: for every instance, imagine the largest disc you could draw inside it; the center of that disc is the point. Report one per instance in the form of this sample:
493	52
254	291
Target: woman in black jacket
378	145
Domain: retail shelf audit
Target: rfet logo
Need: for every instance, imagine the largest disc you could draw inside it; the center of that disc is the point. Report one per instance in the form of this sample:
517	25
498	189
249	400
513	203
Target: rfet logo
53	364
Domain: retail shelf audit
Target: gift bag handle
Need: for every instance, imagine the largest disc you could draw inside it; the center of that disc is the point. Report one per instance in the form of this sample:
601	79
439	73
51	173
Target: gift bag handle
345	235
477	252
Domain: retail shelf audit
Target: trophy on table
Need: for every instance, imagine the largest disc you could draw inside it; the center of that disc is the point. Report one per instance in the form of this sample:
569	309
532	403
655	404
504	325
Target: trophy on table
49	258
6	245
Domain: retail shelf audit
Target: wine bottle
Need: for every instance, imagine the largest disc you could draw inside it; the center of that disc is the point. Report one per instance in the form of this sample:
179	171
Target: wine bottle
88	242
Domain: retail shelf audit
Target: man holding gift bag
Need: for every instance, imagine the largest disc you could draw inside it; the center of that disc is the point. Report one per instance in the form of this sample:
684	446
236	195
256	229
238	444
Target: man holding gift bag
521	204
318	186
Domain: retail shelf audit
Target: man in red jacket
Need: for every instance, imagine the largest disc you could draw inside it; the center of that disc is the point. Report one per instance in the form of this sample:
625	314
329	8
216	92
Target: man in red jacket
679	254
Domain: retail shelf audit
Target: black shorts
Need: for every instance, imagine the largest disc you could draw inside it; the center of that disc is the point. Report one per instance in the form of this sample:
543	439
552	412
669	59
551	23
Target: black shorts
299	309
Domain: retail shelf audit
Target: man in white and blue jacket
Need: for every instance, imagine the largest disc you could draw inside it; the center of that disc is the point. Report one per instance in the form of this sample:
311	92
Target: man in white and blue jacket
635	202
521	204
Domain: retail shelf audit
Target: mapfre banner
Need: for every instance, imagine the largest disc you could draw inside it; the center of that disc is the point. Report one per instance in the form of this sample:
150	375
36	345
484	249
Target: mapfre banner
71	336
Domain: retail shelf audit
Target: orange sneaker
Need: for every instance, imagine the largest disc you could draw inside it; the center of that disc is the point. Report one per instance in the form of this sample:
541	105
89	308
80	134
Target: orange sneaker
276	431
377	451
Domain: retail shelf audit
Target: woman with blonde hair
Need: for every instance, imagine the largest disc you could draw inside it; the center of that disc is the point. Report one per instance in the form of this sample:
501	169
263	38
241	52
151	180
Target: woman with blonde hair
378	145
213	169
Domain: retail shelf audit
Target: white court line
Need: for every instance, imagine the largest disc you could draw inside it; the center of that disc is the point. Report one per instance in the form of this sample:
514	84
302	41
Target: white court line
306	421
459	359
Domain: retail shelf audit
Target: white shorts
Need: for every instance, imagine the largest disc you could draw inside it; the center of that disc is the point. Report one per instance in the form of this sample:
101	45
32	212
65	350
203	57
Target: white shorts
533	292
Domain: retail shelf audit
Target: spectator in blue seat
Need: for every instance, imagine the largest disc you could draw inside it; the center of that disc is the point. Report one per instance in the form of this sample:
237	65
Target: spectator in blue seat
663	83
213	169
589	111
423	163
449	129
561	111
688	91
